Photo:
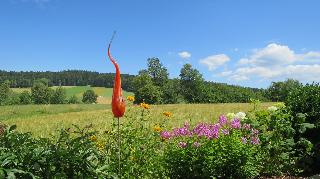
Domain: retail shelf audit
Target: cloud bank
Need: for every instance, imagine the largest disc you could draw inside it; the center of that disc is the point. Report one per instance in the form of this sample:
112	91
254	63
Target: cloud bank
272	63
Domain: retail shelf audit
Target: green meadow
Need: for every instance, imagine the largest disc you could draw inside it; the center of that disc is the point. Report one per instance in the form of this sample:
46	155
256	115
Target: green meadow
46	120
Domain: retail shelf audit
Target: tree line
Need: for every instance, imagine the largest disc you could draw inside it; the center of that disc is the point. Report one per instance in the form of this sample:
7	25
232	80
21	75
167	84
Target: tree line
151	85
41	93
64	78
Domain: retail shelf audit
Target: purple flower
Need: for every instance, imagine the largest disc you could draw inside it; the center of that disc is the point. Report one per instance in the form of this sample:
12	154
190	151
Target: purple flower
255	140
223	120
225	131
235	124
244	140
246	126
182	144
196	144
165	134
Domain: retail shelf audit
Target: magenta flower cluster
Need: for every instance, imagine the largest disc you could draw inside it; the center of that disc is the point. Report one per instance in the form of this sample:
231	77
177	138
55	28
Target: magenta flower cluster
212	131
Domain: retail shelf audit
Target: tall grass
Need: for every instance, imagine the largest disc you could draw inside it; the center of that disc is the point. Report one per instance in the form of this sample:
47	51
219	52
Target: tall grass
44	120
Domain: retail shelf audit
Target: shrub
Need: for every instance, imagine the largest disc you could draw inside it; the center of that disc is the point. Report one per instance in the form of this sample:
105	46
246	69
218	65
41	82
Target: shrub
73	100
41	93
71	155
306	100
4	92
224	149
150	94
25	97
59	96
141	146
89	96
282	150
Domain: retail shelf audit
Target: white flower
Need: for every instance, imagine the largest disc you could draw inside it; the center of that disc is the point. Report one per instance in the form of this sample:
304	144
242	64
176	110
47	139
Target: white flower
240	115
230	115
272	108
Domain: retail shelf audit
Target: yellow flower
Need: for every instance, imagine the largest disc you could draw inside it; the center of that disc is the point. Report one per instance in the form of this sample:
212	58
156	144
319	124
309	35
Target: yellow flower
130	98
100	146
93	138
167	114
145	105
157	128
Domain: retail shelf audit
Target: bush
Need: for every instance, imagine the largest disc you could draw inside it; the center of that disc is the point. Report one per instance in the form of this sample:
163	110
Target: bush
22	156
59	96
224	149
89	96
41	93
150	94
4	92
306	100
25	97
73	100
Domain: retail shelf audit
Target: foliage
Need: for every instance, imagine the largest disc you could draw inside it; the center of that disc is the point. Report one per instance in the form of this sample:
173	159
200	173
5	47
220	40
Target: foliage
4	92
171	92
259	143
141	147
189	88
192	84
59	96
25	97
279	91
73	100
157	72
71	155
89	96
221	150
65	78
150	94
277	133
41	93
306	100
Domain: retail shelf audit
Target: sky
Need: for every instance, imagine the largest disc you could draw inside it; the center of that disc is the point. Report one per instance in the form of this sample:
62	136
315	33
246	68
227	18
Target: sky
245	42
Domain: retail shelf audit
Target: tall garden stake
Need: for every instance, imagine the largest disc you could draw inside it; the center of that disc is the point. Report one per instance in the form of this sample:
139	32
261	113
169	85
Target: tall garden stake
118	103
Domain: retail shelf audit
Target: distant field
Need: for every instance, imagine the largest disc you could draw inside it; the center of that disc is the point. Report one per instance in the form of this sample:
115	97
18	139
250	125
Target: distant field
104	94
44	120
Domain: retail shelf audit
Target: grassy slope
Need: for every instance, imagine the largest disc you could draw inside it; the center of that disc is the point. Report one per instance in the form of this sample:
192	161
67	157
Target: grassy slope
44	120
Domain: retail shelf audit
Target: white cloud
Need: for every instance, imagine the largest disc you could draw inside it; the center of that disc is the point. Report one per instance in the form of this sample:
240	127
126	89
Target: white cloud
184	54
277	62
214	61
271	55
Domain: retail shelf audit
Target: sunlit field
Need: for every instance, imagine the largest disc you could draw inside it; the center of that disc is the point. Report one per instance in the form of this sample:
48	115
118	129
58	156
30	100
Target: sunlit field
104	94
45	120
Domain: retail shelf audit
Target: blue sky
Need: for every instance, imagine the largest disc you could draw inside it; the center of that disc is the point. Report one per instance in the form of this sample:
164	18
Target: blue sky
249	43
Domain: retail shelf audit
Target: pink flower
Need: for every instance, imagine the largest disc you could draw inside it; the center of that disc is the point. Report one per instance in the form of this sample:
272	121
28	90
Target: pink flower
255	140
182	144
165	135
246	126
223	120
235	124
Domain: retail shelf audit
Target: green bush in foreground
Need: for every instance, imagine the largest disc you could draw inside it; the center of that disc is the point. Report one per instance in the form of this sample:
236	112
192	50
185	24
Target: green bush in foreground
22	156
306	100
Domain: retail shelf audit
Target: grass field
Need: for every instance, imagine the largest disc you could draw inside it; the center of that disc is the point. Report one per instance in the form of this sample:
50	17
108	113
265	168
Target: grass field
45	120
104	94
